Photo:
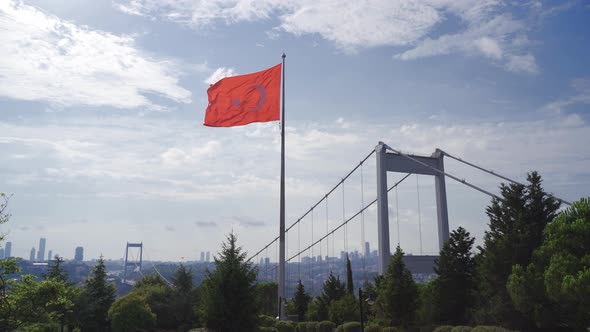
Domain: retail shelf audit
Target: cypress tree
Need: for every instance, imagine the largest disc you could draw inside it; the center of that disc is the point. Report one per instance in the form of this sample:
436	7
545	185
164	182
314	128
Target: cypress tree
349	283
301	300
96	299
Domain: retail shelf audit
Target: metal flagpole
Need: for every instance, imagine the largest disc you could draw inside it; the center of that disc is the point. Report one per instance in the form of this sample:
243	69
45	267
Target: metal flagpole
281	292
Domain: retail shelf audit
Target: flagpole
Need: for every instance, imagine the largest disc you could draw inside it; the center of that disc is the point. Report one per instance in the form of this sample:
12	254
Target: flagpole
281	292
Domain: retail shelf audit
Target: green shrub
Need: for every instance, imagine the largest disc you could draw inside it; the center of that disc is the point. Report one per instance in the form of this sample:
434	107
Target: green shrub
462	329
325	326
285	326
266	329
392	329
485	328
351	327
373	328
444	328
302	326
266	321
340	328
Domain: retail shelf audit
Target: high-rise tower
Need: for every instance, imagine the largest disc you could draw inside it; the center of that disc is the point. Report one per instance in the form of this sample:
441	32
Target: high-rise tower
41	252
79	255
8	250
49	255
32	256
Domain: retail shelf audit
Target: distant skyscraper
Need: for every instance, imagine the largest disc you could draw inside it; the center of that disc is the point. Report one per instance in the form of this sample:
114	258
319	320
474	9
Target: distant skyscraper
79	256
1	253
202	256
32	257
49	256
367	249
41	252
208	256
8	250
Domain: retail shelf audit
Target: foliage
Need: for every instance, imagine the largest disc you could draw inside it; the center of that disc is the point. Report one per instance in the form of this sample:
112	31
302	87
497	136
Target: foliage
267	295
345	309
340	328
462	328
454	287
351	327
130	313
444	328
392	329
398	297
300	301
184	297
325	326
484	328
266	321
4	215
373	328
313	310
349	282
55	270
159	296
554	289
284	326
228	291
332	290
515	230
7	267
95	299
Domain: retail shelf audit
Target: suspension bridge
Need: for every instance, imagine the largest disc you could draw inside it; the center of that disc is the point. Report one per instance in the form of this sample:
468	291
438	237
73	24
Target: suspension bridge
317	258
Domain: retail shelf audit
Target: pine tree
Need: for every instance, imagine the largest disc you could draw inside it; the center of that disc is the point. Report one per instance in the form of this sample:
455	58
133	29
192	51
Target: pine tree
300	301
184	297
516	230
96	299
349	282
332	290
398	298
55	270
453	289
228	293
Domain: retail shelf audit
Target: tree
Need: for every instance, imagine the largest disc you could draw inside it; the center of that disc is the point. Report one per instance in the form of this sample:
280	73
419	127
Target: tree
554	289
184	297
349	282
345	309
130	313
55	271
332	290
516	230
455	284
301	301
95	300
7	267
267	294
227	292
398	297
159	296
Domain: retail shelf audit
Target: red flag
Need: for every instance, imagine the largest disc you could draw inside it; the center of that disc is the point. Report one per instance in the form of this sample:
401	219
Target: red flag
243	99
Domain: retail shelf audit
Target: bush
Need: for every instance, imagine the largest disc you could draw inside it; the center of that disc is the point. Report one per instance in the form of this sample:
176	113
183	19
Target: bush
462	329
484	328
302	326
373	328
266	321
351	327
392	329
285	326
325	326
313	326
443	328
266	329
340	328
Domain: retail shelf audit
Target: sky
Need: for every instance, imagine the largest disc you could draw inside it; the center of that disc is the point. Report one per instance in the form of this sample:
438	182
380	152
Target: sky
102	105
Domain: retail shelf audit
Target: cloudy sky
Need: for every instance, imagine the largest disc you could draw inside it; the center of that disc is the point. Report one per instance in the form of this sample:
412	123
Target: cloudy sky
102	103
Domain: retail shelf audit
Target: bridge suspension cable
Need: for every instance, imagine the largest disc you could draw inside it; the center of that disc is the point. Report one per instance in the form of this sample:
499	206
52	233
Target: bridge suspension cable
489	171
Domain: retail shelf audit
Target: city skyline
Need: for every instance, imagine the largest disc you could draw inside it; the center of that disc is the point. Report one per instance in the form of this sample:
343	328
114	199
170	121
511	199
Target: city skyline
114	150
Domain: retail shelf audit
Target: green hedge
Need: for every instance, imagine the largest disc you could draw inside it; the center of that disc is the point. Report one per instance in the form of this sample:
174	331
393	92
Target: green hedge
285	326
351	327
340	328
392	329
266	321
484	328
326	326
373	328
462	329
444	328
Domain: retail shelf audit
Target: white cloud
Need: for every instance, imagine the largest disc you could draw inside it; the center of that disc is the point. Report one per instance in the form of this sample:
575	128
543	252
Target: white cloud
220	73
486	26
46	58
582	96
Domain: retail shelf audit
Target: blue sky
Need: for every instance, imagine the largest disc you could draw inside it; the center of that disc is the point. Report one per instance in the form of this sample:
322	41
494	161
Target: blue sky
102	103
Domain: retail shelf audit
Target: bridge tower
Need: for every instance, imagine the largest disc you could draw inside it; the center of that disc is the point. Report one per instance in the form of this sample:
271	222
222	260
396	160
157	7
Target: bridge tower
134	262
393	162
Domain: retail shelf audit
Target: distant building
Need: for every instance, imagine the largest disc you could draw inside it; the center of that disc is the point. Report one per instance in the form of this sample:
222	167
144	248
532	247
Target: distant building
49	256
343	255
32	256
208	256
367	249
1	253
79	255
202	256
41	252
8	250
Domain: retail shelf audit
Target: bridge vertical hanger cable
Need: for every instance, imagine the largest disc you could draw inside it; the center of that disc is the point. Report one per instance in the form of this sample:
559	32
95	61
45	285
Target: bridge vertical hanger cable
327	238
419	214
312	257
266	264
344	219
397	215
364	262
299	249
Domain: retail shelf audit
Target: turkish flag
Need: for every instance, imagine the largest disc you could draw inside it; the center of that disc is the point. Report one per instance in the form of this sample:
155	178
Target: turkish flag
243	99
